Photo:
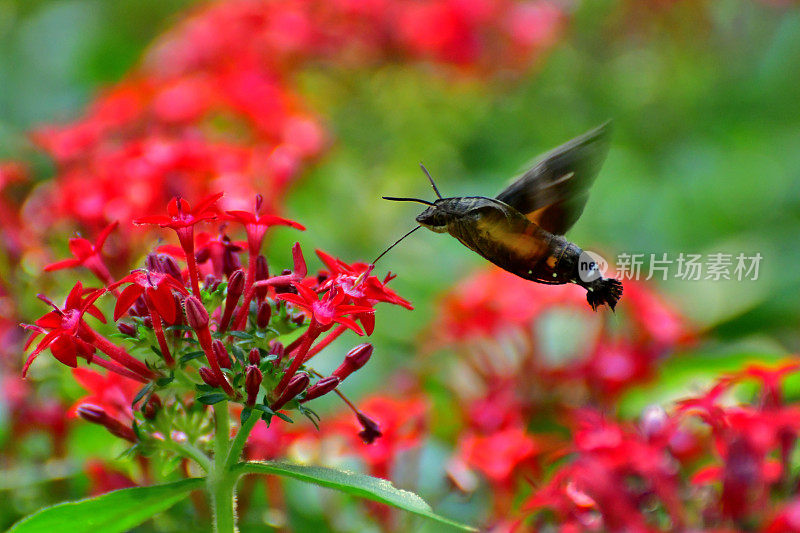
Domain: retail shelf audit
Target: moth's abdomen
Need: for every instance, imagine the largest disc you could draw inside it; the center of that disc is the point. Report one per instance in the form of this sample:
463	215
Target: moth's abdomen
557	266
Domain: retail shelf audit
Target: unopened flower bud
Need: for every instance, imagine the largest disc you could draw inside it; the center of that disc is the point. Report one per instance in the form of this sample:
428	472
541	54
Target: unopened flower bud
355	359
263	315
98	415
196	314
276	348
151	408
262	273
252	383
92	413
207	375
169	266
371	431
211	283
254	357
296	385
221	354
299	319
151	262
235	287
148	322
126	329
322	387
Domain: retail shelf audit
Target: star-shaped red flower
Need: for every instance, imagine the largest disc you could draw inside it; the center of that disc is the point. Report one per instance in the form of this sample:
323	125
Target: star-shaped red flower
332	308
61	326
157	288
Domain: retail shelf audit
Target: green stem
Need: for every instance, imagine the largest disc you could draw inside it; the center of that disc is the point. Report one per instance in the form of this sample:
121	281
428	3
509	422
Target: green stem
191	452
220	482
221	436
241	439
222	495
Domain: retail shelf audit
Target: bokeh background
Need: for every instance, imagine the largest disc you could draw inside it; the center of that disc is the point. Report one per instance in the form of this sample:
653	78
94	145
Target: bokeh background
705	158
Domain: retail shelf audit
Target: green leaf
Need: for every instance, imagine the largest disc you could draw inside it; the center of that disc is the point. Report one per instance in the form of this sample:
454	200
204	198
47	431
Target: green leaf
178	327
116	511
141	394
212	398
240	335
192	355
360	485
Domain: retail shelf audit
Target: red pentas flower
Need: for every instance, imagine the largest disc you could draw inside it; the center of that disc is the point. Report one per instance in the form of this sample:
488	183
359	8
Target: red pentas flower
500	455
68	336
87	254
355	281
257	224
61	328
332	308
157	289
182	218
180	214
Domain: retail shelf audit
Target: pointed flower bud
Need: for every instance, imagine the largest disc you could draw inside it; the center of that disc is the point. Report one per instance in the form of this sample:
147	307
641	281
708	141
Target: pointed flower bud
252	383
222	355
371	431
263	315
168	266
211	283
235	286
355	359
254	357
262	272
98	415
126	329
296	385
196	314
276	348
207	375
151	262
92	413
321	387
152	407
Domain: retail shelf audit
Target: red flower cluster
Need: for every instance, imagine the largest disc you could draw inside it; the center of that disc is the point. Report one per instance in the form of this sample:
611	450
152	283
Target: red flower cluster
212	106
164	310
621	477
518	366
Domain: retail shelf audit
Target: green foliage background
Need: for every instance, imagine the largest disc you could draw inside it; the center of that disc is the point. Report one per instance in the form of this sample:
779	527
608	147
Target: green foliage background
705	155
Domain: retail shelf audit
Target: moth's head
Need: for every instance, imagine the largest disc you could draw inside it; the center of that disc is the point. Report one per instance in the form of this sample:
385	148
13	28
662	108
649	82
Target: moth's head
434	218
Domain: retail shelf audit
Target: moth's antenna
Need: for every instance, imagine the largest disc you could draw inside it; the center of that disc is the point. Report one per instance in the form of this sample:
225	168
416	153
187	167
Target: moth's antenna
435	189
395	244
396	199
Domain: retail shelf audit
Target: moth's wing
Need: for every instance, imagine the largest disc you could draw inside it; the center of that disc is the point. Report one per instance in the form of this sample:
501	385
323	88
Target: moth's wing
553	193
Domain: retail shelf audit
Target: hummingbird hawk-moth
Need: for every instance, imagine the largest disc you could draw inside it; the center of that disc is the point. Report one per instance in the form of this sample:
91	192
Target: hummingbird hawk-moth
522	229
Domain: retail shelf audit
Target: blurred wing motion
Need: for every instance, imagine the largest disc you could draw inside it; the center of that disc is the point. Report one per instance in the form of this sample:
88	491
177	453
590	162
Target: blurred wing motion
553	193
